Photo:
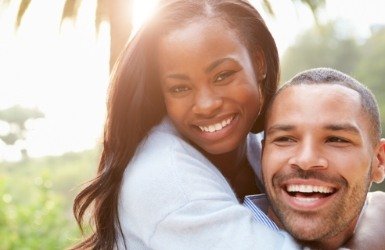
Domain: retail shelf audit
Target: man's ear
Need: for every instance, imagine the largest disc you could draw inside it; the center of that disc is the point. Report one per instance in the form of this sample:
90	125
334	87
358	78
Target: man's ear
378	168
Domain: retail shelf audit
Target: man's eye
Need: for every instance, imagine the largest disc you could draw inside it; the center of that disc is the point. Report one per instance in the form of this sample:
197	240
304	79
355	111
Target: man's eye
283	140
337	139
223	75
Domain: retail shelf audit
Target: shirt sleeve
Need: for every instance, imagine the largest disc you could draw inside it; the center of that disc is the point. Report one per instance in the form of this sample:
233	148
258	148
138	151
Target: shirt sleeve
174	198
218	225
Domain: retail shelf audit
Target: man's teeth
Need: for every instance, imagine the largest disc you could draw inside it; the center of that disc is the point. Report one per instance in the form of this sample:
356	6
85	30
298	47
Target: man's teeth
217	126
309	189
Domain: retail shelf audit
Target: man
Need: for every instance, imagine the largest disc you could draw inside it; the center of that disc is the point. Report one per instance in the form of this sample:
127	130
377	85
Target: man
321	152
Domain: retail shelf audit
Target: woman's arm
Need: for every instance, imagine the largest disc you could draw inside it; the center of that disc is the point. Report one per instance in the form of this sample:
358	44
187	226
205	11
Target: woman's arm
174	198
370	231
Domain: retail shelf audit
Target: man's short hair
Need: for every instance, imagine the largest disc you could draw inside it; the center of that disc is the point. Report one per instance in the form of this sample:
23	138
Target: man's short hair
332	76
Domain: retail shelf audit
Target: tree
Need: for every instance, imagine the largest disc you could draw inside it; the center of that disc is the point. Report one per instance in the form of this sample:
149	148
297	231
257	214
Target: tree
321	46
372	65
118	13
16	117
371	68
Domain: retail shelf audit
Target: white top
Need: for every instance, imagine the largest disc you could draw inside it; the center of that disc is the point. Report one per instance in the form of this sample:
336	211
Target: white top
172	197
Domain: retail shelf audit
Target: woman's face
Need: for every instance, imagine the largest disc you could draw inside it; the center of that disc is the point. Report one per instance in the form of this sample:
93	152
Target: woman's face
209	85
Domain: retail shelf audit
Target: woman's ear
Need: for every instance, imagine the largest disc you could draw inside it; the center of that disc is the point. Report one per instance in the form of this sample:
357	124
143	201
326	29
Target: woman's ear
378	168
260	64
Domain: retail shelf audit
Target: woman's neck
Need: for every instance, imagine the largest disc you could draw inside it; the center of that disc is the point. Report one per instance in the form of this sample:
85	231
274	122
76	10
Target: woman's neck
237	170
229	163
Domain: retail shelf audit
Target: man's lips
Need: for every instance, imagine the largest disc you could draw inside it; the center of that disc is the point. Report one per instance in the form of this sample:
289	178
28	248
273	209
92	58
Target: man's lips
308	194
308	189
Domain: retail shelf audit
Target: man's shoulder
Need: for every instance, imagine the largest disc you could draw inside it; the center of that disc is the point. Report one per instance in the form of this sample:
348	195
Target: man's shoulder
258	200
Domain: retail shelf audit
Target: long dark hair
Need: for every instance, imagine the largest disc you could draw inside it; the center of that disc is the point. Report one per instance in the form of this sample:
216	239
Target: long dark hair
135	103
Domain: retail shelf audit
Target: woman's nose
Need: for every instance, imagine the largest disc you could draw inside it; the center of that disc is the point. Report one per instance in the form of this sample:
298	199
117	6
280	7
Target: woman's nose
206	102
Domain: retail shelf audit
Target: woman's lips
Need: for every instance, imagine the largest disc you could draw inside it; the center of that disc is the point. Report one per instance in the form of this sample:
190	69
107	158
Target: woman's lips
216	126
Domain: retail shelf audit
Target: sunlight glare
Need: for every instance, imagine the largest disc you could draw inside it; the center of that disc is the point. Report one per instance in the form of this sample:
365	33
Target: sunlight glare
65	75
142	11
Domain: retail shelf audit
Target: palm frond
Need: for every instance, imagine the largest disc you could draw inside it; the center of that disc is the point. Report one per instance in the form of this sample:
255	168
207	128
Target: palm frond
102	13
20	14
5	3
267	6
314	5
70	10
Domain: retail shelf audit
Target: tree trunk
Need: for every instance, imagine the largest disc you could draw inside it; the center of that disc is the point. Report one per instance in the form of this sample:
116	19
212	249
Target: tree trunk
120	13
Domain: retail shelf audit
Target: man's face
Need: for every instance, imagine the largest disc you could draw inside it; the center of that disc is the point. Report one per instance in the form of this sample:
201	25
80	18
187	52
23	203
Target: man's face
317	160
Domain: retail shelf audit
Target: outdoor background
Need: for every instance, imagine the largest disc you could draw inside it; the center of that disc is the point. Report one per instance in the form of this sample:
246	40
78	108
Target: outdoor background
55	58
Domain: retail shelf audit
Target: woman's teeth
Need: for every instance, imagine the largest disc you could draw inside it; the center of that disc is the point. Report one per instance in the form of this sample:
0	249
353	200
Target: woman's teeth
217	126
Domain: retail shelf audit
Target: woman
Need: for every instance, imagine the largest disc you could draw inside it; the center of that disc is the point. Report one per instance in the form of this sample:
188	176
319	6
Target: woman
206	68
178	156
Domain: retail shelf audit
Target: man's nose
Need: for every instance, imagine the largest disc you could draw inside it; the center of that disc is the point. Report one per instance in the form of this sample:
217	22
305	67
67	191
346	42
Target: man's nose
206	102
309	156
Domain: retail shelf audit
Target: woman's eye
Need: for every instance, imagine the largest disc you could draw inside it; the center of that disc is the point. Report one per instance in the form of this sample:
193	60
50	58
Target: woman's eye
223	75
179	89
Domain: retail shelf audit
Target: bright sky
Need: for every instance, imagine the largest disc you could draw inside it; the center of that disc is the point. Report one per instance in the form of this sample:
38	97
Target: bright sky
65	74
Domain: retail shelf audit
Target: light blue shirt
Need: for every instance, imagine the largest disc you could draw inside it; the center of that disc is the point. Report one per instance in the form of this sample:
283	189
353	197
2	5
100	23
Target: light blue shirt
172	197
258	205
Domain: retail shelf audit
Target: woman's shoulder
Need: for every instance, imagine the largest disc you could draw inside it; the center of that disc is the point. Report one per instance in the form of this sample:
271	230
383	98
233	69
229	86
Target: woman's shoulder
163	149
166	174
166	167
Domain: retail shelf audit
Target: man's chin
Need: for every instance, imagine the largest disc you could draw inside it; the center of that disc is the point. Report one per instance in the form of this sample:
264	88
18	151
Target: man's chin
305	228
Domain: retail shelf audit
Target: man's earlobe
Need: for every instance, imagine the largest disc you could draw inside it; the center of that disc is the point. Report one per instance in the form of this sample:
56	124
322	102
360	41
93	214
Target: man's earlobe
378	168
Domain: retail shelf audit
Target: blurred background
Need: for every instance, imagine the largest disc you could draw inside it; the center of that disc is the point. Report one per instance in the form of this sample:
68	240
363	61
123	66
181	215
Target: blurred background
55	59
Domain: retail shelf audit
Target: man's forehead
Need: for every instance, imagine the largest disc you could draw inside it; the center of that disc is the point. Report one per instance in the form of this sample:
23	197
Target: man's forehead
313	94
320	88
316	101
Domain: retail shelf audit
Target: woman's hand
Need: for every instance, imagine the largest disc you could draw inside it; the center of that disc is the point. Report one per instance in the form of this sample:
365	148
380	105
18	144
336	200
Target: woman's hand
370	230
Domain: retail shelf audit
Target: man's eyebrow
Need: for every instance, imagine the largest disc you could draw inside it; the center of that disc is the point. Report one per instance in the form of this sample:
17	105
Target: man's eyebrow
217	63
279	127
343	127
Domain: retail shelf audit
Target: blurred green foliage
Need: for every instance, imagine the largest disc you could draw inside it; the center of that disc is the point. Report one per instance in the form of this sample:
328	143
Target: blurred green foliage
36	197
17	116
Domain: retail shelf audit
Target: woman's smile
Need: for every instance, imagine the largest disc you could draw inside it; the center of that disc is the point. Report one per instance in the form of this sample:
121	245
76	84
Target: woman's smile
211	128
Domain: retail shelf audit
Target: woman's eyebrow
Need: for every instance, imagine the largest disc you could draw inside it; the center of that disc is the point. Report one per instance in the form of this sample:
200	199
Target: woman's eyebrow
212	66
177	76
216	63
